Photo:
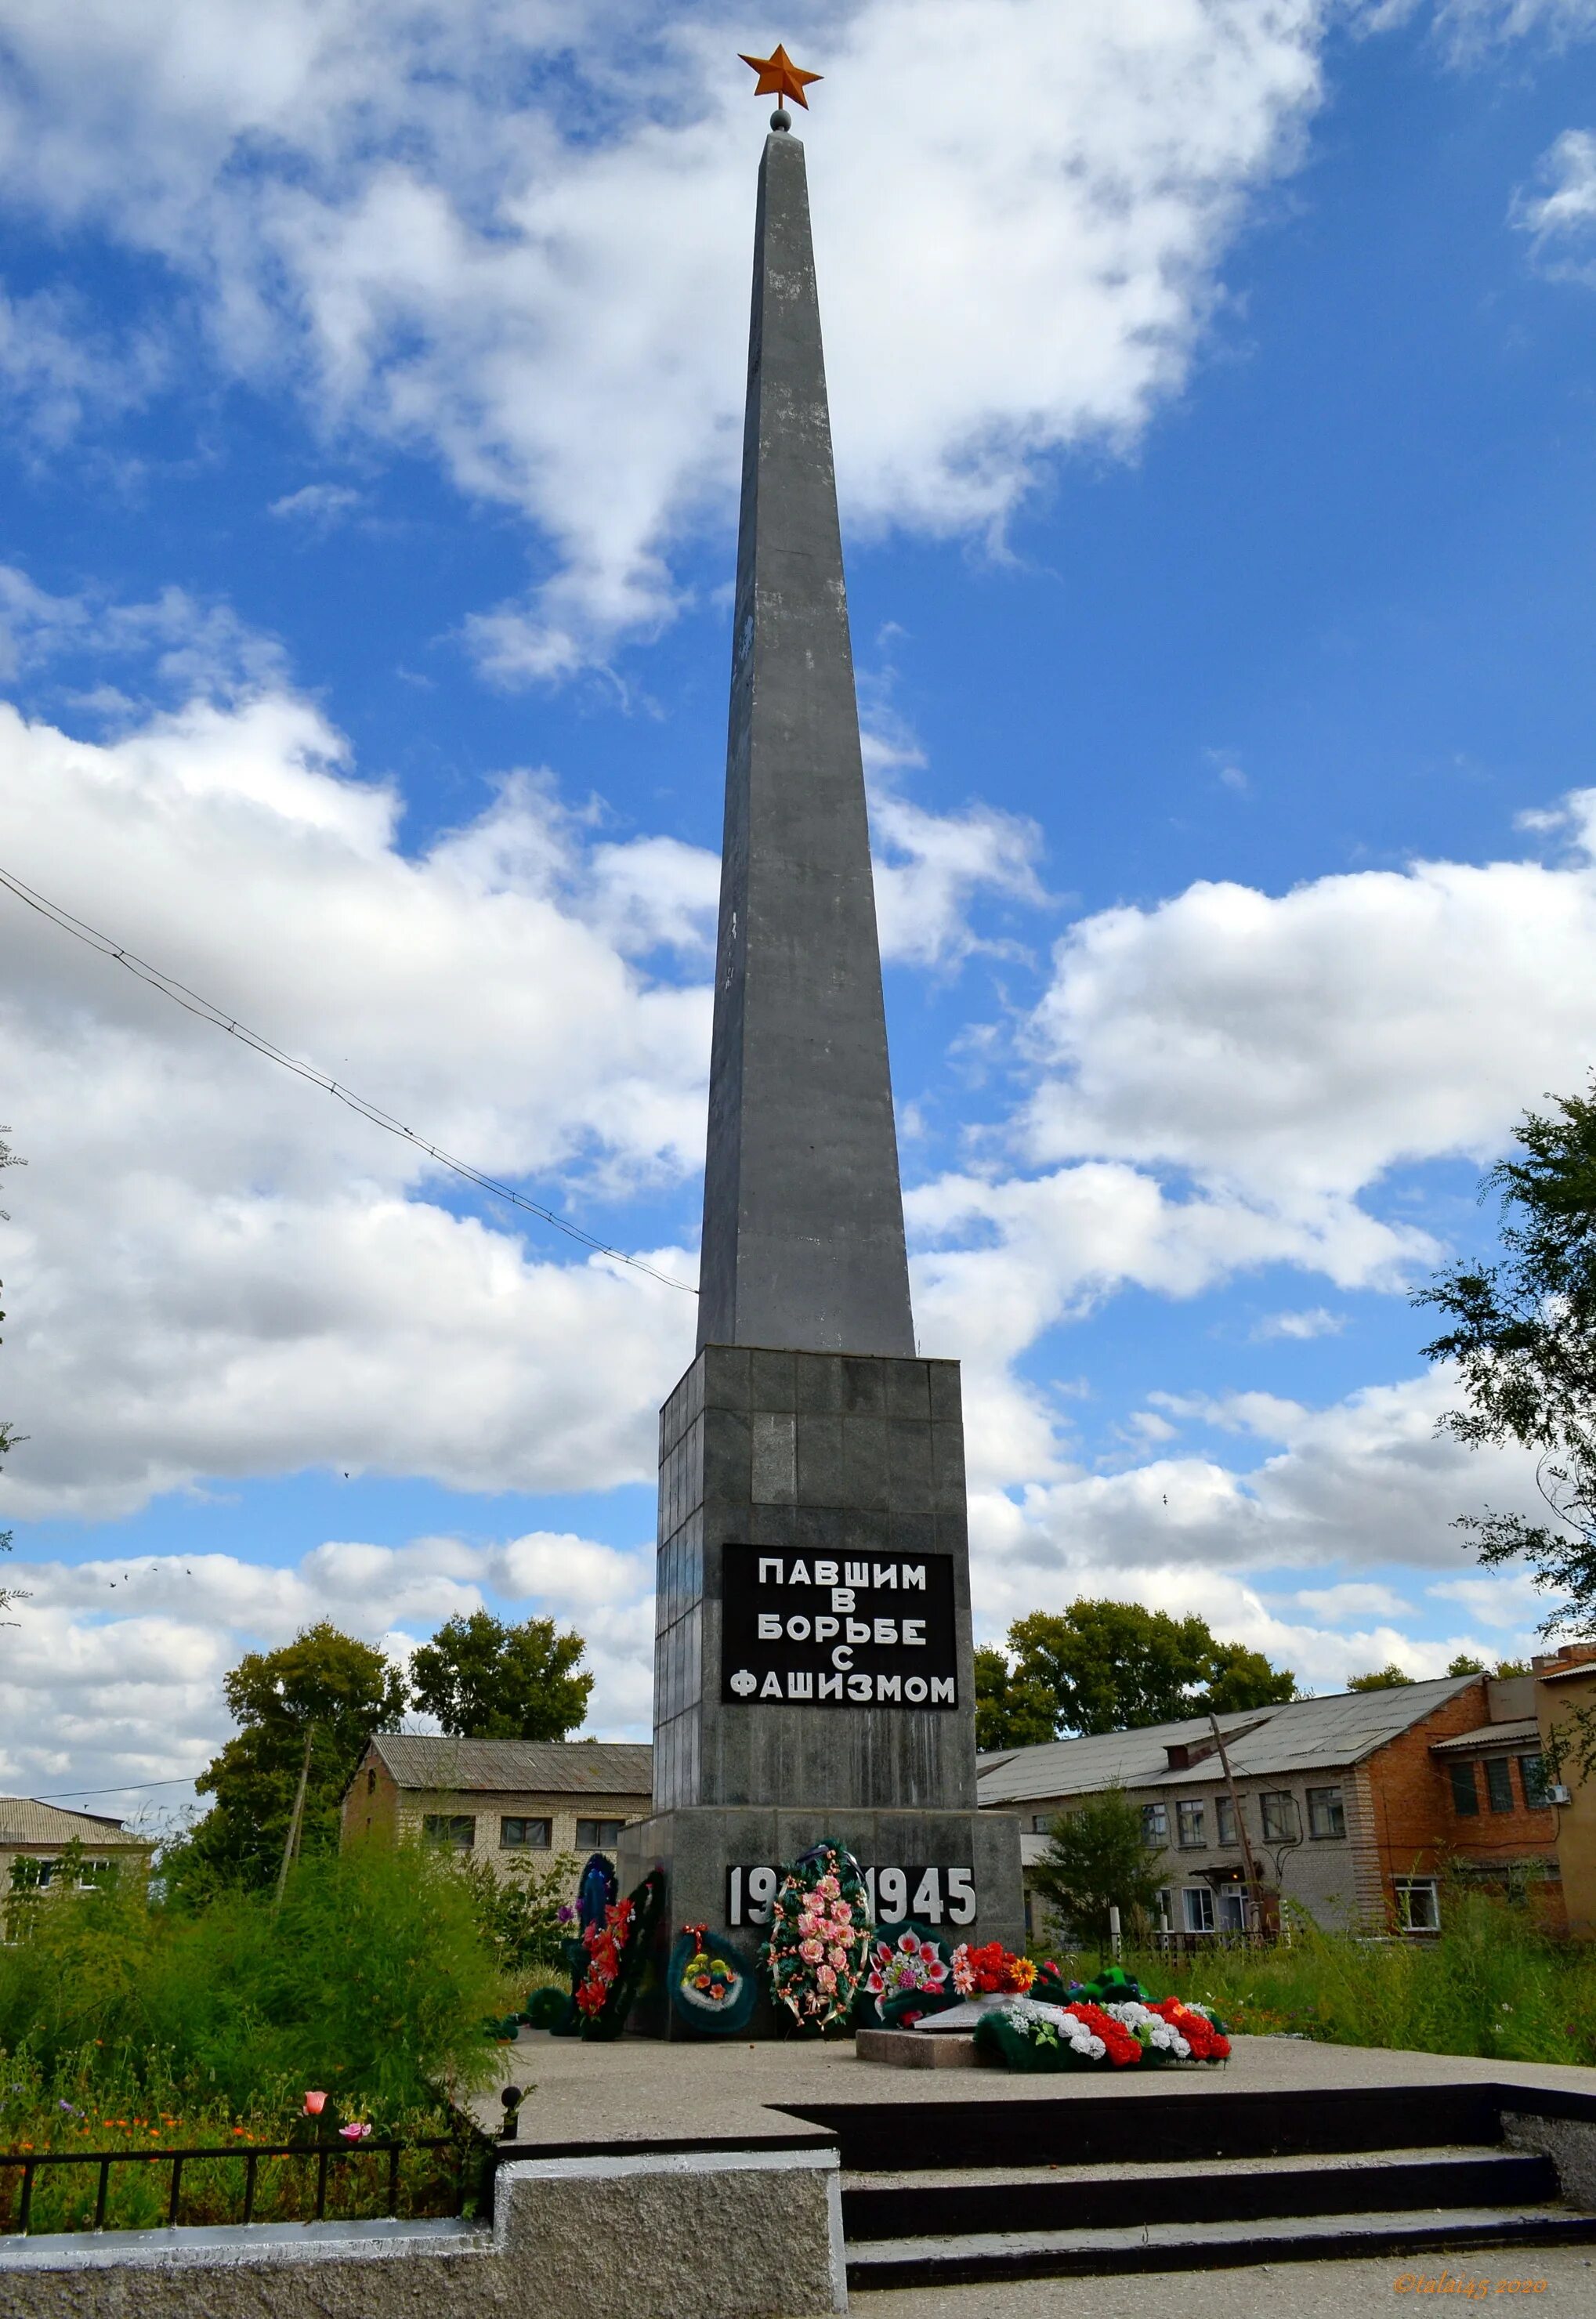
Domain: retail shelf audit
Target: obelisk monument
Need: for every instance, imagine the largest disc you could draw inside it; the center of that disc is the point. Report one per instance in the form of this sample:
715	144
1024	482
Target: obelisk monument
813	1657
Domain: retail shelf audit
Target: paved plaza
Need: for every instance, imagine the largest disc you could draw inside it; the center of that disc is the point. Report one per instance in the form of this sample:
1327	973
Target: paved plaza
638	2090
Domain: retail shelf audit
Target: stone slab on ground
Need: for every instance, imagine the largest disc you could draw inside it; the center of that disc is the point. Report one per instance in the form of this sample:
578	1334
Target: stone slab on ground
906	2049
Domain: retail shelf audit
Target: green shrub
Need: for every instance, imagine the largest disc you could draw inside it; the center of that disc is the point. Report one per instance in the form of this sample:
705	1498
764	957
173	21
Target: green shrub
518	1914
372	1981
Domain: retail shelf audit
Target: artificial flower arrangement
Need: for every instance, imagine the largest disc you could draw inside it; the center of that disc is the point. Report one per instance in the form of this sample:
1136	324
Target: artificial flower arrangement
557	2011
991	1971
1105	2023
616	1951
910	1975
820	1933
712	1984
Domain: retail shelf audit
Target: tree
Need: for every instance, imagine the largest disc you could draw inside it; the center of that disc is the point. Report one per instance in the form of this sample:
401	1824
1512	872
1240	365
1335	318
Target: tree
1465	1664
324	1688
1239	1678
1112	1667
1385	1678
1523	1338
1098	1859
483	1679
1012	1710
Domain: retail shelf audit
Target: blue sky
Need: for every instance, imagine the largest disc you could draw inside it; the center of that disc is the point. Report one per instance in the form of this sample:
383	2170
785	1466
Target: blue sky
1216	436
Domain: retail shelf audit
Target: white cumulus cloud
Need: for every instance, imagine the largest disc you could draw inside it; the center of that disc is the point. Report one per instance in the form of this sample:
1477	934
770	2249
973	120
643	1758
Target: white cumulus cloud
517	239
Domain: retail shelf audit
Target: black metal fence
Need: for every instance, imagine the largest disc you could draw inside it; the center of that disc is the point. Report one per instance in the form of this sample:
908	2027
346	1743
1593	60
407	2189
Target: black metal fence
459	2177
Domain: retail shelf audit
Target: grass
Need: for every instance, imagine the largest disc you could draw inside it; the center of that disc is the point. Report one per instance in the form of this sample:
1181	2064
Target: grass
125	2025
1491	1984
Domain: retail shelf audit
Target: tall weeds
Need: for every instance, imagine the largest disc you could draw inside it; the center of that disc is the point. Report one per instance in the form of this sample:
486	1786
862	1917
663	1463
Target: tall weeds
371	1981
1491	1984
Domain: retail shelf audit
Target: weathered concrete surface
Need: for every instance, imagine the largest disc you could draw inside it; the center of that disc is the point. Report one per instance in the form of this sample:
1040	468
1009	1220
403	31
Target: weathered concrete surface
803	1215
728	2234
352	2271
693	2236
1568	2142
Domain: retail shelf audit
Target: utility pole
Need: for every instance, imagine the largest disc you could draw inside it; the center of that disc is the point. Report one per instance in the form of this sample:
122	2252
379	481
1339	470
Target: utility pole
290	1844
1253	1889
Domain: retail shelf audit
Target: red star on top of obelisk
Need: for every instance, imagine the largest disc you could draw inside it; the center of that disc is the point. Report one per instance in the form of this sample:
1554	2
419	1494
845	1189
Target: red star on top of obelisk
779	77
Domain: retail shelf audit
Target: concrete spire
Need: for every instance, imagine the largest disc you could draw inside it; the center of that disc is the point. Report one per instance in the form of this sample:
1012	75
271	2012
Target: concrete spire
803	1242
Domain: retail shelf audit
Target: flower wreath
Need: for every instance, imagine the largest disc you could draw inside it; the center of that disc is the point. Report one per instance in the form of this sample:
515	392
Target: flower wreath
910	1975
1027	2035
713	1986
820	1932
618	1950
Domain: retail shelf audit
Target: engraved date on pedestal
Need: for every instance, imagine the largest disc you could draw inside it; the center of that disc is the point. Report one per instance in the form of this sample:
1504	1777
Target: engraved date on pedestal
932	1896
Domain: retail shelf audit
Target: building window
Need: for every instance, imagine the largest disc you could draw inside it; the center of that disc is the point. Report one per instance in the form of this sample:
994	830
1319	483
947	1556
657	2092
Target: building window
526	1835
458	1831
1466	1795
371	1779
1189	1820
1279	1809
1232	1908
1042	1823
1224	1820
1532	1778
1154	1823
1418	1904
1327	1813
598	1834
1197	1903
1499	1783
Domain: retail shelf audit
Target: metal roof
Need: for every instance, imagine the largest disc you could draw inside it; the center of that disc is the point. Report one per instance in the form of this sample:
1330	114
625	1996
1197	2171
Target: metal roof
1568	1673
587	1767
1490	1735
1305	1735
24	1820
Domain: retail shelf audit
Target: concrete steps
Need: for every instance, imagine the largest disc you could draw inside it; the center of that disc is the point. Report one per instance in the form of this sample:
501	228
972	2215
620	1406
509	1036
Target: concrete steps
978	2256
1099	2185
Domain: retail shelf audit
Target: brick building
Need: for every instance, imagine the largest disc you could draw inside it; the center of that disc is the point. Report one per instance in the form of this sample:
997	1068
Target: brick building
1564	1683
1357	1806
499	1800
39	1834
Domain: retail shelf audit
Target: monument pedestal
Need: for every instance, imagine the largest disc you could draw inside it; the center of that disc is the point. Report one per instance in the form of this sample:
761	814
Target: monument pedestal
813	1642
958	1871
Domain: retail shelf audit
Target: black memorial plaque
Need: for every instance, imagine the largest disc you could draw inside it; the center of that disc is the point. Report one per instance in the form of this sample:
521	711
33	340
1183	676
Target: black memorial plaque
843	1630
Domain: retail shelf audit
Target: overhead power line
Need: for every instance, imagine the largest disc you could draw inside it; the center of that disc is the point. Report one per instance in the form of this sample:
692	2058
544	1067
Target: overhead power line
191	1003
126	1788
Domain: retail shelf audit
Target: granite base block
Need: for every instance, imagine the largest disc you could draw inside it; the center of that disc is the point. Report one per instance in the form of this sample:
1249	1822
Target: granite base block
906	2049
697	1846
